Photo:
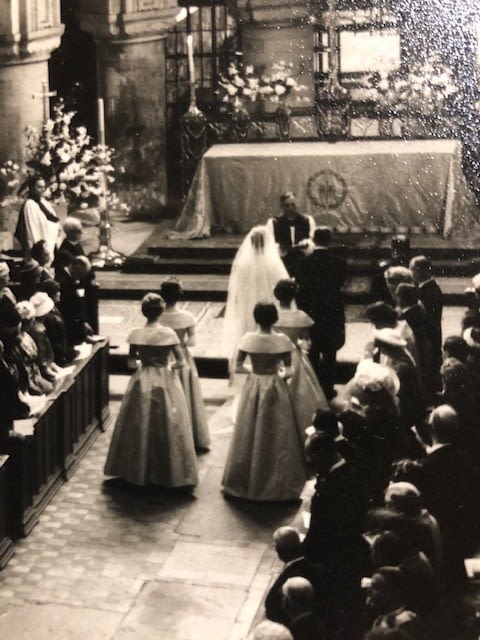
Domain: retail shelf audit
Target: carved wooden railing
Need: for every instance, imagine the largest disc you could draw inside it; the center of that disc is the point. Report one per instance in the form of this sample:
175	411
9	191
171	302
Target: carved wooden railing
53	444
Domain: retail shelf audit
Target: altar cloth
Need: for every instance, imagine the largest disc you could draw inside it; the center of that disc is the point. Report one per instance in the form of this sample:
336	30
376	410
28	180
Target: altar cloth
363	185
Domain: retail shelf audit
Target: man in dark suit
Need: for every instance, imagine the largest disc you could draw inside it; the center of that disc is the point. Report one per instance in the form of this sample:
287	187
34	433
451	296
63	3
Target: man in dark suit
334	537
321	277
448	488
73	278
430	295
299	604
289	550
289	229
73	231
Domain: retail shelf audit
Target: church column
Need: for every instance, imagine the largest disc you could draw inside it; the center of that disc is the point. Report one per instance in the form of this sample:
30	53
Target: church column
130	38
29	31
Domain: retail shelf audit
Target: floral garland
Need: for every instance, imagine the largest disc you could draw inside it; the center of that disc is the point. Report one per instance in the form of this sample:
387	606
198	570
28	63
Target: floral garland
240	83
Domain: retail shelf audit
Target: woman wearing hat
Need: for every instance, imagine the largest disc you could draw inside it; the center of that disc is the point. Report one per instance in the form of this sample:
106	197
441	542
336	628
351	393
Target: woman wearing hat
37	384
55	327
390	349
43	304
152	442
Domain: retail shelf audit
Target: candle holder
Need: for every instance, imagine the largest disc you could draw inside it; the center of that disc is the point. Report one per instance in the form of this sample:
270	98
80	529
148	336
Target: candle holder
106	257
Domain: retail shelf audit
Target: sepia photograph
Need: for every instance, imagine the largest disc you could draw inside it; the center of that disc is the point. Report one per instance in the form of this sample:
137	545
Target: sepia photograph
239	319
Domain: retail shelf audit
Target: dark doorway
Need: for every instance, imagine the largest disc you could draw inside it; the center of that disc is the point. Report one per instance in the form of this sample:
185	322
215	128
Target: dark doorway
72	69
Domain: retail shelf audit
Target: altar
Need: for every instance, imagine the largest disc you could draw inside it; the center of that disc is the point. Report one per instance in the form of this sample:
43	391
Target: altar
358	185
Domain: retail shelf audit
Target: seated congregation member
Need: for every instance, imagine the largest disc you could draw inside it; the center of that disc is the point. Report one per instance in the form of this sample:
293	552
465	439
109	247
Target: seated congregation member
265	460
13	408
268	630
307	394
183	323
387	600
370	421
430	295
299	606
152	442
461	387
37	384
404	515
30	276
390	349
55	326
43	305
290	551
384	316
6	294
10	322
41	253
289	229
390	550
449	488
413	312
73	279
334	537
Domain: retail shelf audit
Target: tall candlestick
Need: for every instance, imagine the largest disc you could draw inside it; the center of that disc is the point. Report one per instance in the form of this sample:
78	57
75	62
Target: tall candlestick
191	66
101	122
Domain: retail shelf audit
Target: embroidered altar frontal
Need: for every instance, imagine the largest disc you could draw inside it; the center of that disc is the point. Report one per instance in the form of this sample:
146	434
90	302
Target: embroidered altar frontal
362	185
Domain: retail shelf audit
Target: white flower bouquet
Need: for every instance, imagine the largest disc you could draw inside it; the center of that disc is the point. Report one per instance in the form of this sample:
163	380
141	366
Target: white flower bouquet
241	84
75	170
425	90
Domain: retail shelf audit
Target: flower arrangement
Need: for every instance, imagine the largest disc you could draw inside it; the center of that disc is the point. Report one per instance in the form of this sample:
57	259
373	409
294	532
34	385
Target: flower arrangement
426	89
241	83
10	174
75	170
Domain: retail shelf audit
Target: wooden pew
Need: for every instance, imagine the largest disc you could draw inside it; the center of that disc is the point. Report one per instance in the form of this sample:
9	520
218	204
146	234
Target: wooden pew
6	545
52	444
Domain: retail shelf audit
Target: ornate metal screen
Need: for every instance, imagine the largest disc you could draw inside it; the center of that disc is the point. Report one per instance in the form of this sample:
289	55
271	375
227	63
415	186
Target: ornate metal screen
213	31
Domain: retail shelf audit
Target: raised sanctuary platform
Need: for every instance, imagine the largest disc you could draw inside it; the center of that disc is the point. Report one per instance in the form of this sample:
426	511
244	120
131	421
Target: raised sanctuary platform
353	185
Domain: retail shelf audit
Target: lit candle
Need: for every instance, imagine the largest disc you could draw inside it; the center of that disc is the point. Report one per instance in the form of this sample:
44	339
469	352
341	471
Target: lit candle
191	66
101	122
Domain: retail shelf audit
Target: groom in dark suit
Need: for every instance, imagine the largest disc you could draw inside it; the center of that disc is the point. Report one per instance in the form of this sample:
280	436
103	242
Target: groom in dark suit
321	277
289	229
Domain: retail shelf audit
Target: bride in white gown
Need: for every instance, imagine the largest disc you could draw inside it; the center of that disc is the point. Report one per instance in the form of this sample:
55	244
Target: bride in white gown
256	269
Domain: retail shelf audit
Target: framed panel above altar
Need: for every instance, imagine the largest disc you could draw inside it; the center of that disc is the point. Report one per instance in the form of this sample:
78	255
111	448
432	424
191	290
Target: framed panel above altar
359	185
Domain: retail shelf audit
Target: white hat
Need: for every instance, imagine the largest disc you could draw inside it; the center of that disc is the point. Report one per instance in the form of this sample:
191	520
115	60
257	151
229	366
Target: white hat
390	336
42	302
372	375
476	281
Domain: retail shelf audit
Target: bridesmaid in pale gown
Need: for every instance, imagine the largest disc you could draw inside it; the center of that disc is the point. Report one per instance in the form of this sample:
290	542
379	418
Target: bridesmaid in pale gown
305	390
183	323
152	441
265	460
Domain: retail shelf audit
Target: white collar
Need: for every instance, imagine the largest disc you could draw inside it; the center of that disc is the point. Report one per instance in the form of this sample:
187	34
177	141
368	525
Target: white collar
420	284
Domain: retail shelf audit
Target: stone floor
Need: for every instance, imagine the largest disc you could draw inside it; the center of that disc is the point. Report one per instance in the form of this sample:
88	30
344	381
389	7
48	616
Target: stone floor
110	563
